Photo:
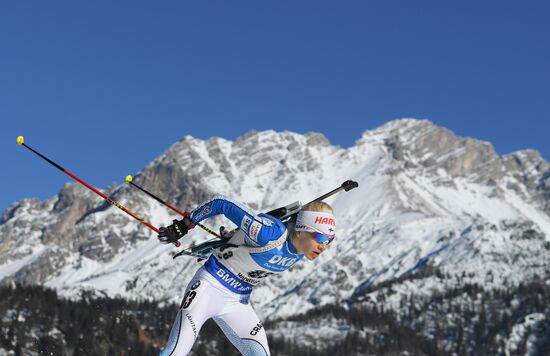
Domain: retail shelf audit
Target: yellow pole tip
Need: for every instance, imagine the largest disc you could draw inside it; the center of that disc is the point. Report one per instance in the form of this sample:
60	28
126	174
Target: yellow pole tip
20	140
128	179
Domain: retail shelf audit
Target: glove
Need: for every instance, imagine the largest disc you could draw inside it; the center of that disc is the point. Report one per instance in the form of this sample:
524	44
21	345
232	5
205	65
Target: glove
176	231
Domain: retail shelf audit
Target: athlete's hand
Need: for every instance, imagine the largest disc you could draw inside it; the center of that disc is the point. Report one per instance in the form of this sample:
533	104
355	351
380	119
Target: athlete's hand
176	231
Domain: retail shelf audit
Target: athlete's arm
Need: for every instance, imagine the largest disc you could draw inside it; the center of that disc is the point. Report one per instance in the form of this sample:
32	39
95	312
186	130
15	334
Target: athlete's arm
258	228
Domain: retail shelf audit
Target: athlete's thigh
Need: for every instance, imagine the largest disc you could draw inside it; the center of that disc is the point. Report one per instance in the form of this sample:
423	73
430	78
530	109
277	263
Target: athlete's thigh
198	305
244	329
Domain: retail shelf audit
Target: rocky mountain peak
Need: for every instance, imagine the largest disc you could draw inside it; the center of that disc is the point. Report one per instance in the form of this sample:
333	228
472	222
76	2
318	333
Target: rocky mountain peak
420	144
397	220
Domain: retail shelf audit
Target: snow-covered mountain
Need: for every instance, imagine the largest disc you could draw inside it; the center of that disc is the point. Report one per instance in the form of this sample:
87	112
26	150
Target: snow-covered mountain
426	199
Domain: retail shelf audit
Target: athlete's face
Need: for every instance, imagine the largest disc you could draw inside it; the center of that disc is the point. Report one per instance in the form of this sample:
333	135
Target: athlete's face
306	244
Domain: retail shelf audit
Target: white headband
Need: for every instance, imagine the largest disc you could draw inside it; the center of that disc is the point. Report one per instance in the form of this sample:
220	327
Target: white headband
316	221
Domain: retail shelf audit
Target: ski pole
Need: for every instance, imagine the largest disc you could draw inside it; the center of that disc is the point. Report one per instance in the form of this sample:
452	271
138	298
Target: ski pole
129	180
21	142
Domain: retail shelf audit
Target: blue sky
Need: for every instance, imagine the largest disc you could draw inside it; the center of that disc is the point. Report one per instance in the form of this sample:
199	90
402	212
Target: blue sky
104	87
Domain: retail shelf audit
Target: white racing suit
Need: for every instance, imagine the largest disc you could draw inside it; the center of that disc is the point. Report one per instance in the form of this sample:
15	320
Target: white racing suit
221	287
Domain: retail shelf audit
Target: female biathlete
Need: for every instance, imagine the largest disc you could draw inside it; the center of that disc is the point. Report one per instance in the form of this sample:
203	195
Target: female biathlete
221	288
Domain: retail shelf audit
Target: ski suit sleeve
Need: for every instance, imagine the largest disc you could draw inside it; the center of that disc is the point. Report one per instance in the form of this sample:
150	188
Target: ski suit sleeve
259	229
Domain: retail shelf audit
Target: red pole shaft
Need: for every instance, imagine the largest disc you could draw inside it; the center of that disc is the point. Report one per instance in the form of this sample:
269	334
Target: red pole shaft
112	201
109	199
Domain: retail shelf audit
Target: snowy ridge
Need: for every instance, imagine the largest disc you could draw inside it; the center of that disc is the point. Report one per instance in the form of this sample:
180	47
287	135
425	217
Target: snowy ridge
426	198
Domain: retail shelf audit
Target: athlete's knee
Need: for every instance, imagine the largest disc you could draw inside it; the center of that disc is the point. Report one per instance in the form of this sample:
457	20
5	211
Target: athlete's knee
183	334
254	348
